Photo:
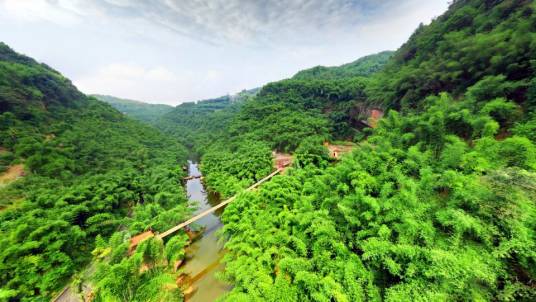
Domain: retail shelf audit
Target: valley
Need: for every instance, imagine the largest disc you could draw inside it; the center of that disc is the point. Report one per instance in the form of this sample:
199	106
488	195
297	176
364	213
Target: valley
405	175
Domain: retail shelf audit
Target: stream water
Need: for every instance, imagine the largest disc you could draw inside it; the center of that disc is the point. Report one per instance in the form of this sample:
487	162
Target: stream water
203	255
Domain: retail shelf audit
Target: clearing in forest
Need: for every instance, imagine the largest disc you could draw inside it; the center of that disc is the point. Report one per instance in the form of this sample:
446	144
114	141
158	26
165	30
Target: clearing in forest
282	160
12	174
336	151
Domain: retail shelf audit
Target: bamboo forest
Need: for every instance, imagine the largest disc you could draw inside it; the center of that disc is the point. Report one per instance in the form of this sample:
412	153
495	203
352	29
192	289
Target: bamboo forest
405	175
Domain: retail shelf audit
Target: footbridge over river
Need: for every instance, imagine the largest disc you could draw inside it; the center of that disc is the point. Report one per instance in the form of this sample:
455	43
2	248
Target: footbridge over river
220	205
68	295
281	162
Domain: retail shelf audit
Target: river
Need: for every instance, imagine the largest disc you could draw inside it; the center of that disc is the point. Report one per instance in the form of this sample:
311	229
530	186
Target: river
203	255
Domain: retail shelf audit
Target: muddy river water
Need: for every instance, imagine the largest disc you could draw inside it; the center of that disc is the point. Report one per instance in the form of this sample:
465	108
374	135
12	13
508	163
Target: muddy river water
204	254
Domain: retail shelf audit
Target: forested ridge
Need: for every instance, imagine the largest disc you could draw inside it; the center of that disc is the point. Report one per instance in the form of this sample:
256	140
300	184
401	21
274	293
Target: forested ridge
364	66
437	202
471	41
198	124
235	136
90	174
149	113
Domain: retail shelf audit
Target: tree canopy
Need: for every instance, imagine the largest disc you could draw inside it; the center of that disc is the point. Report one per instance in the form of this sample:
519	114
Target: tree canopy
89	172
435	203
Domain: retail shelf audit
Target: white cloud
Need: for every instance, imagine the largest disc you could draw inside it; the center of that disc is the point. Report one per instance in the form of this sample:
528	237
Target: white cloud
133	81
212	75
61	12
182	50
219	21
153	84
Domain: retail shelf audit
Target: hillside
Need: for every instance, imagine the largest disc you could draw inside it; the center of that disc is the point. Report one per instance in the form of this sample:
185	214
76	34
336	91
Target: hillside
494	41
364	66
434	204
141	111
198	124
327	104
89	172
435	200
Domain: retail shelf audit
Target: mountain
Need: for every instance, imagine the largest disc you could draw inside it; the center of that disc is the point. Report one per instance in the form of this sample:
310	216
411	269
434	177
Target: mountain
364	66
326	103
28	89
491	42
433	202
198	124
141	111
85	173
436	203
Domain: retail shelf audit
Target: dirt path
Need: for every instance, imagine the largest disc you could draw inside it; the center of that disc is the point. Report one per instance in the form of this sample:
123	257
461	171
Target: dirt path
12	174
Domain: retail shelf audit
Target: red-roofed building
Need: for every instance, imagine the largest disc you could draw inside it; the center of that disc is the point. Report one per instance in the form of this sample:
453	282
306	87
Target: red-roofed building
134	241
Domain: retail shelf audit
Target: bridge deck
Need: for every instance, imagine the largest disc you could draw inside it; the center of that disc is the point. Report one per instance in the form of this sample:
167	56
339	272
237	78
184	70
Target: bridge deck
220	205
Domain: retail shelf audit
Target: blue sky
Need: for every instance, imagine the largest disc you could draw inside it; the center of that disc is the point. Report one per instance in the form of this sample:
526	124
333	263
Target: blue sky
172	51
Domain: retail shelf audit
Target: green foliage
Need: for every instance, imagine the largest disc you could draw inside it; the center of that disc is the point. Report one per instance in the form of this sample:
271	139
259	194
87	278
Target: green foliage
281	114
197	125
234	135
491	43
87	167
231	168
526	128
364	66
174	249
435	204
142	276
502	111
311	152
286	112
149	113
420	213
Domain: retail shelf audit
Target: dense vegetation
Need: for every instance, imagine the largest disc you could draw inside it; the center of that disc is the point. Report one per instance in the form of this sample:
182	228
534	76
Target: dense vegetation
229	168
234	136
435	204
286	112
89	172
472	40
149	113
146	275
418	212
229	163
198	124
364	66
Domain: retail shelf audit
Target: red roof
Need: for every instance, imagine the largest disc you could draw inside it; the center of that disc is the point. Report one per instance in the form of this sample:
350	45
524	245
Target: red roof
134	241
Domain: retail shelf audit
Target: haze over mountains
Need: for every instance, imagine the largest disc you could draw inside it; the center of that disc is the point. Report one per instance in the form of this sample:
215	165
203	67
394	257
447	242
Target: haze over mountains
144	112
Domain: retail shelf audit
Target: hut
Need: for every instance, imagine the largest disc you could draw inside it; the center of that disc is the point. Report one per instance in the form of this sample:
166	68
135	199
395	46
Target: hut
134	241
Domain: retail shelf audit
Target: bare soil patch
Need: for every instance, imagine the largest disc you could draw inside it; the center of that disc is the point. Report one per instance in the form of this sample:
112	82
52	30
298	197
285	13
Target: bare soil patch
12	174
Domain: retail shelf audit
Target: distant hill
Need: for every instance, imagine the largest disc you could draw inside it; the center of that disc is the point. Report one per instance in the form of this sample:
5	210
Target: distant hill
144	112
197	124
28	88
364	66
323	101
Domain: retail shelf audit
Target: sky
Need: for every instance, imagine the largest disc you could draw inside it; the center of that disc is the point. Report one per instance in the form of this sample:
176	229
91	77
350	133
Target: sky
174	51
